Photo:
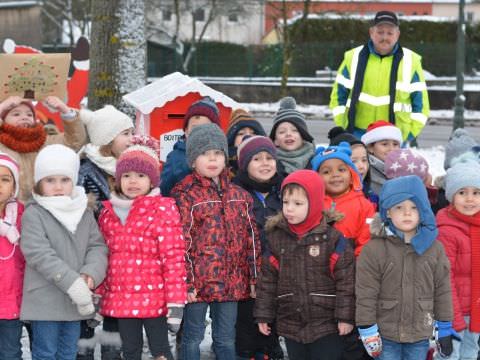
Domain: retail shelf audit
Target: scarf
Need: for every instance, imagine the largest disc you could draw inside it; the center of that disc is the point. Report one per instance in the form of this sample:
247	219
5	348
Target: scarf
358	84
23	140
106	163
296	159
68	210
121	204
474	225
262	187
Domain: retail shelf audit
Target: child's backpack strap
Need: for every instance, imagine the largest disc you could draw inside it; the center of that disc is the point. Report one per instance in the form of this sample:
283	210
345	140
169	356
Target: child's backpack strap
339	250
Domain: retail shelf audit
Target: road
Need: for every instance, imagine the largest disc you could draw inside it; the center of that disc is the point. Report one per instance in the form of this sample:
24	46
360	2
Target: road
432	135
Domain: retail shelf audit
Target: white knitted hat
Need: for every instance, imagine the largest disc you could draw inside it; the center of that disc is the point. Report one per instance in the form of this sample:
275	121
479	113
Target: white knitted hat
105	124
55	160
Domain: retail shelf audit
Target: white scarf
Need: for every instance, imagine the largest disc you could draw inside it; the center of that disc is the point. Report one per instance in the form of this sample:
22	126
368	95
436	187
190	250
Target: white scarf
122	205
106	163
68	210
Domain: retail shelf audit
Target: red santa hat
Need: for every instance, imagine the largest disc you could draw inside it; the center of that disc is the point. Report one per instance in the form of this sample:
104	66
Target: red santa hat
381	130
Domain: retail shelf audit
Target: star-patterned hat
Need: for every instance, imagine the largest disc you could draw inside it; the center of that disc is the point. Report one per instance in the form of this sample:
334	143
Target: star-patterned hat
403	162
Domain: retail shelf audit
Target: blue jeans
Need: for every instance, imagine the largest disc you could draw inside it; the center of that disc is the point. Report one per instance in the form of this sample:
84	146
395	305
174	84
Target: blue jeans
404	351
224	317
10	334
55	340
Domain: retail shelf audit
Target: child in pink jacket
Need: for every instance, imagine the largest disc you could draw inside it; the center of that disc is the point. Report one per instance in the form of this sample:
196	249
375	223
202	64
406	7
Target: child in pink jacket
12	263
145	284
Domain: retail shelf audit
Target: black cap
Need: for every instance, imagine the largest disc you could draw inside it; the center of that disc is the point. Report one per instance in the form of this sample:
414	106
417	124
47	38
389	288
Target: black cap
385	17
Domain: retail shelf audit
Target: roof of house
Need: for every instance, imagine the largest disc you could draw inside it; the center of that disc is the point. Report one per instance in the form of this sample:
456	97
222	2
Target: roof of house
170	87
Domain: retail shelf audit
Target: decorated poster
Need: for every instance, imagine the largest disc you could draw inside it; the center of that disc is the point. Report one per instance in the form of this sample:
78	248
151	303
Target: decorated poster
34	76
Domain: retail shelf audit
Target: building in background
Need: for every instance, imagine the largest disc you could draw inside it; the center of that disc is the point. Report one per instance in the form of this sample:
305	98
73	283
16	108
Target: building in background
21	20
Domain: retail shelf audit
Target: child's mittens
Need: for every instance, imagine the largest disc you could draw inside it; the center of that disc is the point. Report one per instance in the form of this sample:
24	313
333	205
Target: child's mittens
82	297
174	318
445	335
371	340
9	231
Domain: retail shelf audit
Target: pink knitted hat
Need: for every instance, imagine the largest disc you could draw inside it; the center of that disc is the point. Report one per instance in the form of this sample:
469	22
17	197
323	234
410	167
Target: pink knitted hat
10	163
143	156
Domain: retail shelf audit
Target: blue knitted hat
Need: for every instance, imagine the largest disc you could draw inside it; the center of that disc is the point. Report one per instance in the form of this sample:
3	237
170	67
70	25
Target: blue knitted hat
410	188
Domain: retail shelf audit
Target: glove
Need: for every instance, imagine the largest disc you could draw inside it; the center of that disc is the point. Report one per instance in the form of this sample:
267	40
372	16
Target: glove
371	340
81	296
8	226
174	318
444	337
97	318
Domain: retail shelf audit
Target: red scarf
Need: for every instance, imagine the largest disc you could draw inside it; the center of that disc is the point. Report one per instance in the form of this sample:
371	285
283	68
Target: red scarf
474	226
313	185
23	140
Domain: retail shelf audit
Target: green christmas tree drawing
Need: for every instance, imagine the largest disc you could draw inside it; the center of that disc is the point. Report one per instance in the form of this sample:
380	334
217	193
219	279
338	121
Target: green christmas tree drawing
35	79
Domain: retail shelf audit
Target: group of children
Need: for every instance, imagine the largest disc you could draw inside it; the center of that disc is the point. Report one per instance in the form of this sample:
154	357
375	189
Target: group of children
335	248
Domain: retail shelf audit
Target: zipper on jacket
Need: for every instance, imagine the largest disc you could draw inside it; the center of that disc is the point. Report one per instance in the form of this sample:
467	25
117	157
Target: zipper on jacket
284	295
325	295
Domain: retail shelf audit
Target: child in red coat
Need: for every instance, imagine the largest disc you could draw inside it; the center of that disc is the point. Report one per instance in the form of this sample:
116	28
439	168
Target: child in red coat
343	193
223	247
12	263
145	284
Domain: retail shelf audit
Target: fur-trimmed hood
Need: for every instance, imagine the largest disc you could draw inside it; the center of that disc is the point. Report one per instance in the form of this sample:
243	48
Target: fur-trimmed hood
329	216
377	227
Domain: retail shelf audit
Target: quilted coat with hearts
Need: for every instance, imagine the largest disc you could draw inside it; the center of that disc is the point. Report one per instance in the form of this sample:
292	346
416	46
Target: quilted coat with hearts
223	247
146	266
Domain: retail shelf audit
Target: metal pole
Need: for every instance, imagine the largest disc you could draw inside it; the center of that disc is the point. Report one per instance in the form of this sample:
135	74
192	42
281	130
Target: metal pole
460	68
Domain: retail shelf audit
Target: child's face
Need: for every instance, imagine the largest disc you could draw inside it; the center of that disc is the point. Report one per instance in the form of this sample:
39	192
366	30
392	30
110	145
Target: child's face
7	185
405	217
56	185
121	142
241	133
382	148
295	206
360	159
467	200
134	184
336	175
195	121
287	137
210	164
262	167
21	116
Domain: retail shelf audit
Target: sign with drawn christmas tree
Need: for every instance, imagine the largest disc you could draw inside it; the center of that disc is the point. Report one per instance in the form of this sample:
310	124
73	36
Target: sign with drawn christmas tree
34	76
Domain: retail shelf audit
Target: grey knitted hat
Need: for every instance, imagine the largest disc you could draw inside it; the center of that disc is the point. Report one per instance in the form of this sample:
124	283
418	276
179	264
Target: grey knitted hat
203	138
460	142
461	175
288	113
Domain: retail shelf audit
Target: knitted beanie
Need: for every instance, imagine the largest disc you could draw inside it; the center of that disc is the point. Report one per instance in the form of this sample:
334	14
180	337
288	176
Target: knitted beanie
143	156
240	119
25	102
203	107
461	175
12	165
460	142
403	162
105	124
338	134
203	138
381	130
54	160
287	112
252	145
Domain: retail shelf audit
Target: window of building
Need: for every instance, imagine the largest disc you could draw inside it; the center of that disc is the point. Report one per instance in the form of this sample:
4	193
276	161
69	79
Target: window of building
233	17
470	16
167	15
199	15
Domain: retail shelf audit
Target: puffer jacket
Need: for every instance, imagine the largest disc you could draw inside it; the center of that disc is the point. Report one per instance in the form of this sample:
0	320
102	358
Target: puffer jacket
307	285
95	181
454	235
357	213
176	167
12	268
402	292
223	246
377	174
146	267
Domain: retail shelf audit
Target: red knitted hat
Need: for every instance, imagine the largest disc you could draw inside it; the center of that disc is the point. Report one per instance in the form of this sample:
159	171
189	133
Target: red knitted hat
143	156
381	130
203	107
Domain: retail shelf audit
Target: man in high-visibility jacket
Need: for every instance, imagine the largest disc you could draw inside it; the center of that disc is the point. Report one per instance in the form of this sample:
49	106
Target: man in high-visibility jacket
381	81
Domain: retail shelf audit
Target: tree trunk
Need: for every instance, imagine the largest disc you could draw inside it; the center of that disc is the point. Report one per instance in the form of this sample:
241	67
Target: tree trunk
118	52
287	53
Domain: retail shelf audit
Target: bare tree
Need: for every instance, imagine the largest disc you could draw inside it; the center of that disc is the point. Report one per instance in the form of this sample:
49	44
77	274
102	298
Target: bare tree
118	51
